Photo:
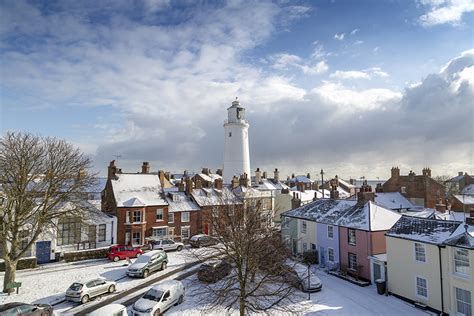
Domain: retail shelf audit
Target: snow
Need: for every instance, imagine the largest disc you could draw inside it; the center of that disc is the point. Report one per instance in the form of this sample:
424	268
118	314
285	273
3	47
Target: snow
392	200
337	297
212	196
211	177
48	283
381	218
180	202
468	190
137	190
465	199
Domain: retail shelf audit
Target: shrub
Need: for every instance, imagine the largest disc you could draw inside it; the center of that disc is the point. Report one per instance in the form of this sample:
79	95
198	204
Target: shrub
24	263
85	254
310	257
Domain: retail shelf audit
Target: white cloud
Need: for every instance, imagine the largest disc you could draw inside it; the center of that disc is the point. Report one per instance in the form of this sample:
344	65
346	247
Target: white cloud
441	12
376	50
319	68
284	61
358	74
358	42
354	31
339	37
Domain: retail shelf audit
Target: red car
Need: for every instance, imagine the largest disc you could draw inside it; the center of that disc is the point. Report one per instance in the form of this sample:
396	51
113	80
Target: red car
121	252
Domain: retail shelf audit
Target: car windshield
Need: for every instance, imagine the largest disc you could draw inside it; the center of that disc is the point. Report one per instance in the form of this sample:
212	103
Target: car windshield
153	295
196	237
142	259
76	286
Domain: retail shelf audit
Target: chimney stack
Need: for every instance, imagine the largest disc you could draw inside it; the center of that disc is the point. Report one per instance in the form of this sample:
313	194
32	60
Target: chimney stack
181	186
218	184
308	176
460	173
334	193
440	206
185	173
379	188
300	186
276	175
235	182
470	219
145	167
315	195
426	172
189	185
206	171
258	176
395	172
365	194
219	172
112	170
243	180
198	183
295	201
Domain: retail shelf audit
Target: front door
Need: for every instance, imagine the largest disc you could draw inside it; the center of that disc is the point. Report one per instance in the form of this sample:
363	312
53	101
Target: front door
43	251
206	229
322	252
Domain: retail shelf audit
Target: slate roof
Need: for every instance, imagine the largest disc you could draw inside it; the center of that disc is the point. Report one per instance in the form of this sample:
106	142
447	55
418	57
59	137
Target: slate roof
468	189
213	196
348	213
427	230
301	179
180	202
137	190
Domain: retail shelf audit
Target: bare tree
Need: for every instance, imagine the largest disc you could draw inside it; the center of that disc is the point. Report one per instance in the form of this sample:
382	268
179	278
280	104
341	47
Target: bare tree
450	187
257	253
38	178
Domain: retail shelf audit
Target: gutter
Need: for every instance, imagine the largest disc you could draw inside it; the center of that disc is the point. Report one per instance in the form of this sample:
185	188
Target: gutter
441	280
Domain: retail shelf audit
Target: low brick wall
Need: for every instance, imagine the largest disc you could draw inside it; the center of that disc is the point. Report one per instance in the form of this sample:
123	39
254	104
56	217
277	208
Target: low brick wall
85	254
24	263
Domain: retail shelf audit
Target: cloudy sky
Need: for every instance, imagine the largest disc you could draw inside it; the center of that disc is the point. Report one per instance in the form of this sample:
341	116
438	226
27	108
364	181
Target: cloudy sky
353	87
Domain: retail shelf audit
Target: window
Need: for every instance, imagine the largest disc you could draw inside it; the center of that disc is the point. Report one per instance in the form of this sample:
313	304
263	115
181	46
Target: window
127	217
102	230
463	302
331	255
136	238
461	261
127	238
305	247
303	227
286	222
170	218
421	287
420	252
185	217
171	232
159	214
184	232
160	232
352	261
313	247
403	189
230	134
137	216
69	230
330	232
352	236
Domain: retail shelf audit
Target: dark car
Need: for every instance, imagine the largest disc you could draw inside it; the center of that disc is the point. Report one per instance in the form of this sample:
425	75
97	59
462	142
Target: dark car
202	240
121	252
213	271
25	309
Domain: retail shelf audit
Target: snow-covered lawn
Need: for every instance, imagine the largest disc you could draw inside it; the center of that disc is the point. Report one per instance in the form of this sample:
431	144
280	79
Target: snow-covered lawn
338	297
48	283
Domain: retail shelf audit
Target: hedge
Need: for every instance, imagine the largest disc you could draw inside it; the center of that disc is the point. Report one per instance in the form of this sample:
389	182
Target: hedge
85	254
24	263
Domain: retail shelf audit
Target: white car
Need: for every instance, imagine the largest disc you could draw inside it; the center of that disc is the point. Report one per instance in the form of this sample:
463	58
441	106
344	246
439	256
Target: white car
83	292
159	298
110	310
168	244
297	275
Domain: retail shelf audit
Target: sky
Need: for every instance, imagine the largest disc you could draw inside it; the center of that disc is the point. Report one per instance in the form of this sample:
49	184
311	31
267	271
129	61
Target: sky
353	87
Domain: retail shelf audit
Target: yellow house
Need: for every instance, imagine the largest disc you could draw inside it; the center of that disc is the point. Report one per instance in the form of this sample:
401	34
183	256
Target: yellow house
430	263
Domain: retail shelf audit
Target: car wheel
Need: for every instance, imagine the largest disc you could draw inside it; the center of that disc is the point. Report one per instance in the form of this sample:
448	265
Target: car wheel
112	288
85	299
145	274
181	299
163	265
179	248
116	258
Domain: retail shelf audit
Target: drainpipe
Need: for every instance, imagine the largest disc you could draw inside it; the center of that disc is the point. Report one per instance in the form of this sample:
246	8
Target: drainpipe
441	280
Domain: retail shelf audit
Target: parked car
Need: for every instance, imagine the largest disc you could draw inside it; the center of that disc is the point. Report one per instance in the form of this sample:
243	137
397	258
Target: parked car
159	298
213	271
110	310
83	292
297	276
167	244
26	309
122	252
202	240
148	263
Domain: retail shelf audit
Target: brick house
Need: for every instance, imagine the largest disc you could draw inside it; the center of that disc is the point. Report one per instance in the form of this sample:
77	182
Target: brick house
137	200
421	189
184	215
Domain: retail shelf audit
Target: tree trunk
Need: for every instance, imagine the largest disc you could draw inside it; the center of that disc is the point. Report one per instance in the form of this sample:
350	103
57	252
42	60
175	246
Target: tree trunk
242	306
10	274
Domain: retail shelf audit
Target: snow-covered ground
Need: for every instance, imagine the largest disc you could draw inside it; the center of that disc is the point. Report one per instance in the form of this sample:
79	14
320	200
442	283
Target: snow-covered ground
338	297
48	283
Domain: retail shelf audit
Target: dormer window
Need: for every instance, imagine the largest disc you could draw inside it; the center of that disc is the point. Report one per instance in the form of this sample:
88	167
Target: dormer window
175	197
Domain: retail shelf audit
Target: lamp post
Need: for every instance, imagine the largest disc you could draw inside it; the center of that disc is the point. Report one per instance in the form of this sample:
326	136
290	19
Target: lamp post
309	282
322	181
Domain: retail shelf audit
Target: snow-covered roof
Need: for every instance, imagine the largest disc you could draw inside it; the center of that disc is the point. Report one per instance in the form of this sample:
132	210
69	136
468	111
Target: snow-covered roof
137	190
392	200
307	195
249	192
270	184
427	230
468	190
211	177
456	178
465	199
349	213
420	212
301	179
213	196
180	202
463	237
452	216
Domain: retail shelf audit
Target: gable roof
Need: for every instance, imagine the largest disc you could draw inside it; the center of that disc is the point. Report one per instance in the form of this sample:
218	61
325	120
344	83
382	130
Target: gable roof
427	230
301	179
213	196
393	200
348	213
465	199
468	189
180	202
137	190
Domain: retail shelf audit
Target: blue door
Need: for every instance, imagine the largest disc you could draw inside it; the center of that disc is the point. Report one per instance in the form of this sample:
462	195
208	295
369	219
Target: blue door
43	251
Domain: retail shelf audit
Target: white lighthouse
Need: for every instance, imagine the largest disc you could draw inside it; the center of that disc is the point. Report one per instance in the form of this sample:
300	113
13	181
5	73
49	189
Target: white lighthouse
236	148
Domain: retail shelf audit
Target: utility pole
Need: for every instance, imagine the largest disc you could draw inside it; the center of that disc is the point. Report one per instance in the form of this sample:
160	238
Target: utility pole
322	181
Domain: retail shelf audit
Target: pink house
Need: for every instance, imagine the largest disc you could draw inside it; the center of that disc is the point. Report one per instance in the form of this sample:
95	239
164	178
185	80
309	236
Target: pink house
361	236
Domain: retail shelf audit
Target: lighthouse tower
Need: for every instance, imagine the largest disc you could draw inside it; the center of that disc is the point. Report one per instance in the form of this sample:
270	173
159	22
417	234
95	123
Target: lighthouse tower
236	148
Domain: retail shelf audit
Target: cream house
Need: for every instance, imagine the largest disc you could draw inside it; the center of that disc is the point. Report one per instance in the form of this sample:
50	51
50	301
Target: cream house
429	263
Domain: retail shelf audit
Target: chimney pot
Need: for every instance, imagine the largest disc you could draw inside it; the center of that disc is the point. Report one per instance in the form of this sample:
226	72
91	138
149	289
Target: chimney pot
145	167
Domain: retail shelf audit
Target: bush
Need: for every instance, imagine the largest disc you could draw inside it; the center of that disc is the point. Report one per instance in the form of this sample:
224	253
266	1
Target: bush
24	263
310	257
85	254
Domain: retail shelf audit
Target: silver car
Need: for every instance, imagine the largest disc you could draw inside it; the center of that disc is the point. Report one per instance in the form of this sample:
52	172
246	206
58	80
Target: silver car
83	292
167	244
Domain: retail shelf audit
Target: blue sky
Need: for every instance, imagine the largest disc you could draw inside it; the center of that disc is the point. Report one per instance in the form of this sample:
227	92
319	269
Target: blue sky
350	86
